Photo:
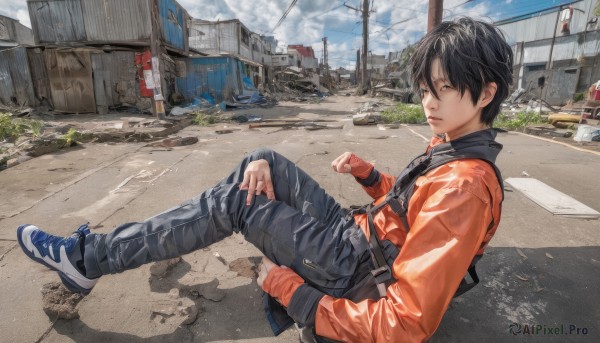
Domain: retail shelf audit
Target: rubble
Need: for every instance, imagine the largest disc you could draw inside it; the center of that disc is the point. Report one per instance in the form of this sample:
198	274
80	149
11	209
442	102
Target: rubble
175	308
368	114
293	85
59	302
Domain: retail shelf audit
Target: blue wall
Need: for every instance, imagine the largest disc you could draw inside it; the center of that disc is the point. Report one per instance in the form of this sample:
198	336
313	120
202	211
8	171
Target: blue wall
213	75
173	23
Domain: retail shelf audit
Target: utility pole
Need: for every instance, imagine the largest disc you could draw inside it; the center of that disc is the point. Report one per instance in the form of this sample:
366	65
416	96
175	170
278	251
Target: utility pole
435	12
357	71
365	48
365	16
325	61
158	105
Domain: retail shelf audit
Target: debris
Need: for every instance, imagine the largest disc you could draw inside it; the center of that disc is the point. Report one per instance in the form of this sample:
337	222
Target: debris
308	125
366	119
220	258
549	256
184	309
520	277
524	173
551	199
246	266
175	141
587	133
521	253
60	302
161	268
222	132
209	291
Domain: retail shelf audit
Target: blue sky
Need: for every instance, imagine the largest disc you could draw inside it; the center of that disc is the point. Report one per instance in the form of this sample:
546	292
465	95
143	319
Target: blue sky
392	24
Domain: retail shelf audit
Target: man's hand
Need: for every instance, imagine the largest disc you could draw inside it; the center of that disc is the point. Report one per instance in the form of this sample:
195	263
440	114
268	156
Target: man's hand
264	268
257	180
350	163
279	282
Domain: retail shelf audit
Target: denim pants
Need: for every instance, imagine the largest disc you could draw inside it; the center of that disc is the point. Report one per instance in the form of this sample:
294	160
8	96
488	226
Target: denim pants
304	229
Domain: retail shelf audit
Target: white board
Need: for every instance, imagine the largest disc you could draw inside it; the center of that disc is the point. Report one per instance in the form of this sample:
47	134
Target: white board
551	199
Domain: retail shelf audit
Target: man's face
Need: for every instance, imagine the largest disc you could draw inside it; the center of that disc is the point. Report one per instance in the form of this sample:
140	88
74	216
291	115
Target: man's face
451	114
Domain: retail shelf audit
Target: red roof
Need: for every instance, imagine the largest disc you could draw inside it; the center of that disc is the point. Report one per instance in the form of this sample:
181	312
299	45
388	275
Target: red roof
305	51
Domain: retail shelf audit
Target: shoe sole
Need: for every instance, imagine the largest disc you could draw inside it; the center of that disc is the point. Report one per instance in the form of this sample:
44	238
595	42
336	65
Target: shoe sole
67	282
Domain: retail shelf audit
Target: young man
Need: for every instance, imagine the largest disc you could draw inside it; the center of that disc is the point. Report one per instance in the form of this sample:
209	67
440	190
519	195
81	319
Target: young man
462	70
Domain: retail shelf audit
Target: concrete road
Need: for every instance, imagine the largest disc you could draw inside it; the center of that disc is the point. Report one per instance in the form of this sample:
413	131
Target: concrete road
540	270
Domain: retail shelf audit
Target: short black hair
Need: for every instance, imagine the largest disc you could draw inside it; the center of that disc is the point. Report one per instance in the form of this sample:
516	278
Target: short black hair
472	53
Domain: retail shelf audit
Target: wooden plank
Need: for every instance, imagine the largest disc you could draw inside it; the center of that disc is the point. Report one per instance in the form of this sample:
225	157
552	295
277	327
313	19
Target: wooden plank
551	199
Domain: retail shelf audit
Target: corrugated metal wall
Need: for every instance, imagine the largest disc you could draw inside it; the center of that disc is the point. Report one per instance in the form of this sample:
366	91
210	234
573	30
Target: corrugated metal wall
39	76
117	20
213	38
173	19
544	26
115	79
6	29
218	76
16	88
71	85
107	21
57	21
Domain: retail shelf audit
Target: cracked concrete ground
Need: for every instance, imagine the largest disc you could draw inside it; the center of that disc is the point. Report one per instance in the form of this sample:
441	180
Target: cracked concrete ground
540	270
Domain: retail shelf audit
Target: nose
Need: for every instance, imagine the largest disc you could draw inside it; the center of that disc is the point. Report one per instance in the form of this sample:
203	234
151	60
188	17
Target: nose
429	101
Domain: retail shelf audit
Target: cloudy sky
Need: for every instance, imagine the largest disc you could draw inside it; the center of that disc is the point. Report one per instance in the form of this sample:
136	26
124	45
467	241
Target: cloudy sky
392	24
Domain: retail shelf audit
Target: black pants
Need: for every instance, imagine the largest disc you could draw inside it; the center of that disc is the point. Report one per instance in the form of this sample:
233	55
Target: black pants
304	229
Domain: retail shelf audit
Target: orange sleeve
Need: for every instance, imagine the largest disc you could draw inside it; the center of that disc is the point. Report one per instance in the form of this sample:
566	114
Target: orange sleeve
444	237
382	187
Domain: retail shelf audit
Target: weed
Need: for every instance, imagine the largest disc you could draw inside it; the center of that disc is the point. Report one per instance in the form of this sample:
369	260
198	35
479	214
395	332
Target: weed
71	137
11	129
404	113
518	121
204	119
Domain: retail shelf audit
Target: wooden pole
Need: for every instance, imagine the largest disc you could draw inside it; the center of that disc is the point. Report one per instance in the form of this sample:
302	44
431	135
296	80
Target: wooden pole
435	13
158	105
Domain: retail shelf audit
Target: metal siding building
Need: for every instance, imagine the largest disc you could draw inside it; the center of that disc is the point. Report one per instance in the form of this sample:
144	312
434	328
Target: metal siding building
215	37
16	88
220	77
56	21
117	21
126	22
173	19
569	61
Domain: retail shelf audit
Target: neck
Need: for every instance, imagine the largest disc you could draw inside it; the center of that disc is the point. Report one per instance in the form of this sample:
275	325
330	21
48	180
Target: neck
456	134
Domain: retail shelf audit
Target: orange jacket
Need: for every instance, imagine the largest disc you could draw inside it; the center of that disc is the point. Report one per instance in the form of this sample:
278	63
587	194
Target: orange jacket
449	215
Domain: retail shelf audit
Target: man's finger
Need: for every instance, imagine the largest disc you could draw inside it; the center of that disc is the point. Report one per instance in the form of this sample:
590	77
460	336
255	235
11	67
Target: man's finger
251	190
269	188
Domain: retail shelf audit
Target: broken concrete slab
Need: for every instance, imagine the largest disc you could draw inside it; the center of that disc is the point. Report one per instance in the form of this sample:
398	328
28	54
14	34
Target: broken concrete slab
59	302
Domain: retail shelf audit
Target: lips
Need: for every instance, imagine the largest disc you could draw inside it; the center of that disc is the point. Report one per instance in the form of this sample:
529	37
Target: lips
433	118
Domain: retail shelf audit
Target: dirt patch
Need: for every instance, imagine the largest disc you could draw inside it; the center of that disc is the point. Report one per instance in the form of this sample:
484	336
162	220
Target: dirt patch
59	301
246	266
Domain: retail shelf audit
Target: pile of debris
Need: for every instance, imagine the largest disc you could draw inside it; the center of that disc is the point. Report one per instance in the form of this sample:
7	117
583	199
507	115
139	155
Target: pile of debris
292	84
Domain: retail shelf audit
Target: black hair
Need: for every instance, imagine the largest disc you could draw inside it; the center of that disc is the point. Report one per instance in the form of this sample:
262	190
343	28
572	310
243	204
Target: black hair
472	54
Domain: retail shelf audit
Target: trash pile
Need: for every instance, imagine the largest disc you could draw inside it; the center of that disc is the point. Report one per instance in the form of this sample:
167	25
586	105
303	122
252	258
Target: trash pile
368	114
291	84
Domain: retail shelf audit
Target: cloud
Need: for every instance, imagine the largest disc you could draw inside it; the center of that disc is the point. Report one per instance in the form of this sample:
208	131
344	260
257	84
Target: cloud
392	24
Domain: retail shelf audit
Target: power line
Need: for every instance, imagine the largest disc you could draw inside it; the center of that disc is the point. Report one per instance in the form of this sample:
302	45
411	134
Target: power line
285	15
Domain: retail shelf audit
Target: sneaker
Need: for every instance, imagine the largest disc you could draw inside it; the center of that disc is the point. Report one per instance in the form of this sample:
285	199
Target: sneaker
58	253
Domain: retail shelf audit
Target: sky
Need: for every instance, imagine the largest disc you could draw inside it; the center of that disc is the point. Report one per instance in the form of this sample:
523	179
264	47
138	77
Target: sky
392	24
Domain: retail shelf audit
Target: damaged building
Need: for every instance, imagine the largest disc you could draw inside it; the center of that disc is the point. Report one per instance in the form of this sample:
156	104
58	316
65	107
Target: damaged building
233	38
557	52
90	55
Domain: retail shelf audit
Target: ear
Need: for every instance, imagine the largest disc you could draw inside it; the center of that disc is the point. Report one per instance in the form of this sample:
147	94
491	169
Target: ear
487	94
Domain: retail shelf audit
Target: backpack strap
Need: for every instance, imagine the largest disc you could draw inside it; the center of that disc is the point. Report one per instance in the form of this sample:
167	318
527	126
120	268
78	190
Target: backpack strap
398	199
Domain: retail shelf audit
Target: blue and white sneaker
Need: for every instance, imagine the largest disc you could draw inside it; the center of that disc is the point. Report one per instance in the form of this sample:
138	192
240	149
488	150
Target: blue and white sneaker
58	253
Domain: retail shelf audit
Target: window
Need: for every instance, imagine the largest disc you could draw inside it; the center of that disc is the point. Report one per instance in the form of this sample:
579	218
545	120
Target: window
245	37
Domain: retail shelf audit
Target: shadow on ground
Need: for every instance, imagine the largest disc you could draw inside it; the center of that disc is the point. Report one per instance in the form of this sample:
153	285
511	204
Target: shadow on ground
522	292
552	288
